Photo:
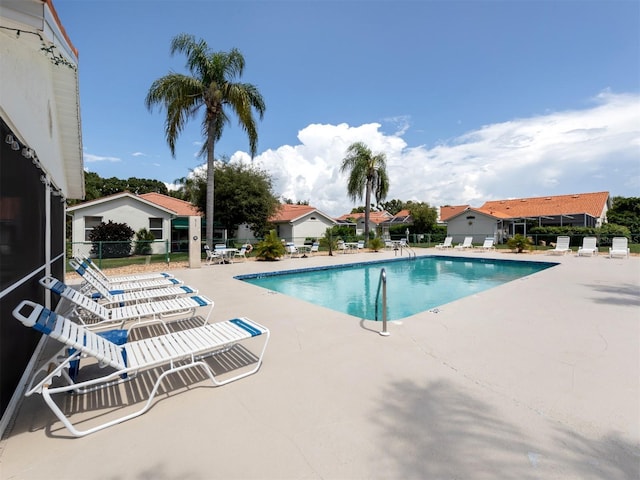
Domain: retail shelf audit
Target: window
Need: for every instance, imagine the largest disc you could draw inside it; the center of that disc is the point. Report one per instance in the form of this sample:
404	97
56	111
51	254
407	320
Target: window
89	224
155	228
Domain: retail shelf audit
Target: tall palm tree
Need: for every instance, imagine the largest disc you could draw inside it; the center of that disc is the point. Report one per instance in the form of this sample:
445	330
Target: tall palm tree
213	88
367	174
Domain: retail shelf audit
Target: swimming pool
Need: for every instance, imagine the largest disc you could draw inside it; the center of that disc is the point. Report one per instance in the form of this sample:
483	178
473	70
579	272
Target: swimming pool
413	285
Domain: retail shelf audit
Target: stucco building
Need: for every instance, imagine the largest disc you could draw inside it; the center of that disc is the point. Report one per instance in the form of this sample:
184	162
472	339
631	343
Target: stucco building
41	165
501	219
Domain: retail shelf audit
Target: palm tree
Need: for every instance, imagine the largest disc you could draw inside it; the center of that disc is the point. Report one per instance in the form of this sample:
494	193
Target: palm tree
368	174
213	89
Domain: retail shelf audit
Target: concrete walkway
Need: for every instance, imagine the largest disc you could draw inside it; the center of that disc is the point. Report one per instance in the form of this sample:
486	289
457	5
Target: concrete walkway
536	379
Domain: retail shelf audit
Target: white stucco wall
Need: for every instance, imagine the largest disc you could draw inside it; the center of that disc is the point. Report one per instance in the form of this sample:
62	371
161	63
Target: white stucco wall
121	210
30	82
311	226
479	227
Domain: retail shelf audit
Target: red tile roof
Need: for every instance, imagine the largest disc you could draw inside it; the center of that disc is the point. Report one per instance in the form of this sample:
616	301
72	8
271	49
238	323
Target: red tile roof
288	212
448	211
180	207
590	203
375	217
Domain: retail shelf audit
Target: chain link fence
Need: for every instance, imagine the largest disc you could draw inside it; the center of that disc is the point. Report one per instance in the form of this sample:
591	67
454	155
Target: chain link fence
116	254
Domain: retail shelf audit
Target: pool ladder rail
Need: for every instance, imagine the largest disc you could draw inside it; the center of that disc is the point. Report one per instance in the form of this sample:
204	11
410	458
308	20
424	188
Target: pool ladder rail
405	246
382	286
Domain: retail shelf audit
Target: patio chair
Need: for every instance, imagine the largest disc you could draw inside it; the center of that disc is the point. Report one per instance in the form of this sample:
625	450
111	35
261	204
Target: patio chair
562	246
619	247
242	253
291	250
124	286
92	314
97	290
388	245
588	247
465	244
122	361
315	247
89	264
360	244
213	256
446	243
487	245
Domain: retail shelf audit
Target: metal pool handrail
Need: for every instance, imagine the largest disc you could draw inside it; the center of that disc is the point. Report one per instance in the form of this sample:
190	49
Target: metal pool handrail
382	282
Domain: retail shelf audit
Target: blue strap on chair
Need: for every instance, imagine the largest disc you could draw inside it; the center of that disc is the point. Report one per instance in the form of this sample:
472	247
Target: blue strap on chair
245	326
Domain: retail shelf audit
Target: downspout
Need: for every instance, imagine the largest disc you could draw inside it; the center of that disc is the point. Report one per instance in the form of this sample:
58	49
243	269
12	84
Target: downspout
47	235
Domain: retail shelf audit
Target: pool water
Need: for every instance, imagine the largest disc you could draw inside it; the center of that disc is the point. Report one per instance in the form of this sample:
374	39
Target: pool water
413	285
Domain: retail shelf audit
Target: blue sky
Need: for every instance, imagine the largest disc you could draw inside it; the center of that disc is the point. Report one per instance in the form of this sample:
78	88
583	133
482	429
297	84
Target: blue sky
470	101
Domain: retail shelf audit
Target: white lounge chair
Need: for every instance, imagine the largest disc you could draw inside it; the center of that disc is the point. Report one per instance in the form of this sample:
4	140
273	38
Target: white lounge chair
388	245
166	354
487	245
140	283
360	244
465	244
619	247
95	315
89	264
446	243
97	290
588	247
562	246
315	247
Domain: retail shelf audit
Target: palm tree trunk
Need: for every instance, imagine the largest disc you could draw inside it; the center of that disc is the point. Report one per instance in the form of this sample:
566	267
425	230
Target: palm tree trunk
210	189
367	211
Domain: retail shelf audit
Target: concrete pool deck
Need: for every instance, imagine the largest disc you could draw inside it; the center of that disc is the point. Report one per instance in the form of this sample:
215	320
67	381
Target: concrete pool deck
536	379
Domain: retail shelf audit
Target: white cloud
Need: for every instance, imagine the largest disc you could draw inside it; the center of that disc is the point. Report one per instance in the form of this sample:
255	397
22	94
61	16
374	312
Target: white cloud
139	154
595	149
89	157
589	150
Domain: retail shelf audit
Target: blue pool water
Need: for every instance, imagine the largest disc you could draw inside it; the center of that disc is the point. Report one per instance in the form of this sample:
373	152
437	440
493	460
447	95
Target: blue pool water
413	285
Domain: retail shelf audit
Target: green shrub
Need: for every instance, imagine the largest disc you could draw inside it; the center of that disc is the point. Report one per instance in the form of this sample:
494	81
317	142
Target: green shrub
144	239
610	230
329	241
271	248
376	244
111	240
519	243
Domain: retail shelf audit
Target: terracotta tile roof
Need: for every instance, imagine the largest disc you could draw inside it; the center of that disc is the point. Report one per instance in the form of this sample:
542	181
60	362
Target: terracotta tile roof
403	213
448	211
180	207
590	203
375	217
288	212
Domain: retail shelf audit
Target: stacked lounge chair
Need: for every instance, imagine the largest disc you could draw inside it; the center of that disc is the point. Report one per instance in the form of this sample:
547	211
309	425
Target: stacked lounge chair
96	315
99	290
128	282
